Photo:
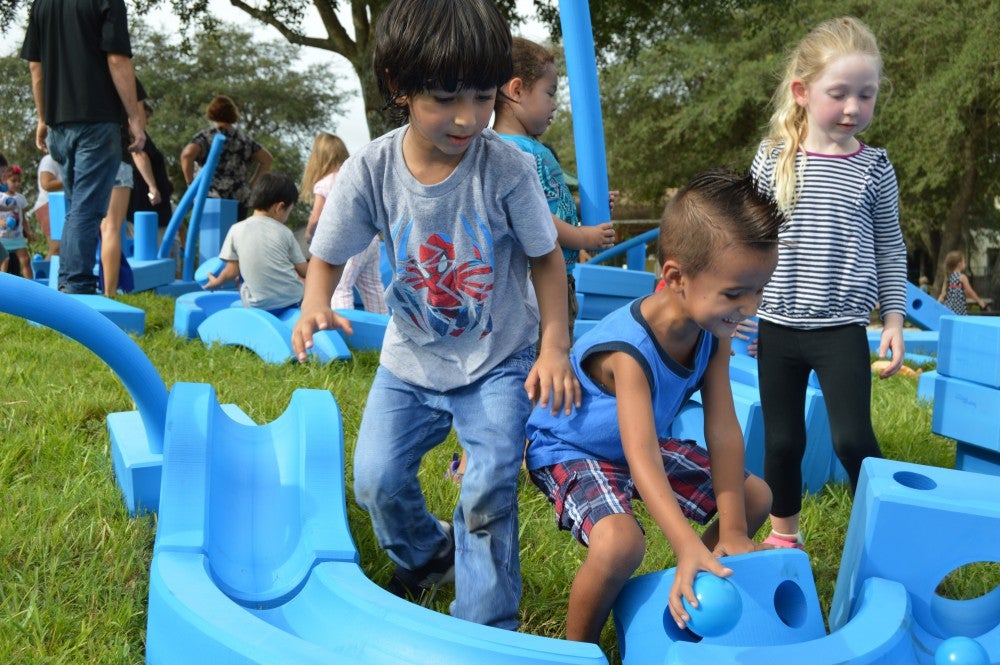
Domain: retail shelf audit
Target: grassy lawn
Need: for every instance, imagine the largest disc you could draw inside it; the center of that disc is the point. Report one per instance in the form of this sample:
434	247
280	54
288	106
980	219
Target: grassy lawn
73	565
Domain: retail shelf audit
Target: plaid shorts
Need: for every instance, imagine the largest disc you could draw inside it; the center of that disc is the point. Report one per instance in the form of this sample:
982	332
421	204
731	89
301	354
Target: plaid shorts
585	490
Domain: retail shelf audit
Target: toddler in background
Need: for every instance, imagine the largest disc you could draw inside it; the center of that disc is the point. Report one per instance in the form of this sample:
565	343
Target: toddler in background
956	290
14	233
361	270
263	250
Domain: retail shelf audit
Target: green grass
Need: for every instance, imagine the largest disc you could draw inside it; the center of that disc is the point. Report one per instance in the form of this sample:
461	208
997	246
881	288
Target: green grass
74	566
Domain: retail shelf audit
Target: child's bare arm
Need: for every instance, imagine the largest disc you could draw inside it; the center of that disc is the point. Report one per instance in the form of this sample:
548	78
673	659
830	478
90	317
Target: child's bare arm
300	268
551	382
228	273
724	441
892	340
642	452
598	236
321	280
971	292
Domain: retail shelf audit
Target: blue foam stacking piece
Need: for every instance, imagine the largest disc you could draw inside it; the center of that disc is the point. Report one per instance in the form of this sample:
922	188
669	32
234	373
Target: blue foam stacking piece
151	274
254	560
128	318
267	335
368	329
138	468
917	342
178	287
40	268
976	459
217	217
192	308
966	412
595	306
925	385
57	214
915	525
969	349
923	310
581	326
689	423
780	615
212	266
610	281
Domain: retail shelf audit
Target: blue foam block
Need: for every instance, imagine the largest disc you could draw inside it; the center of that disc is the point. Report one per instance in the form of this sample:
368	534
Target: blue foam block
178	287
217	217
915	525
966	412
595	306
976	459
254	560
368	329
148	275
969	349
925	385
128	318
267	335
690	424
192	308
609	281
581	326
781	619
916	342
923	310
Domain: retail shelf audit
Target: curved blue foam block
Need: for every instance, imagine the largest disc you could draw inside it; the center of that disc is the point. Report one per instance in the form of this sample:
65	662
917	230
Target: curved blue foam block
922	309
369	329
212	266
780	620
266	335
254	561
192	308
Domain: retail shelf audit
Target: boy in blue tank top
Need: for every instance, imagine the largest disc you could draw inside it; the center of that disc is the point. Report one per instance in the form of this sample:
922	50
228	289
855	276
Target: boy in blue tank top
718	246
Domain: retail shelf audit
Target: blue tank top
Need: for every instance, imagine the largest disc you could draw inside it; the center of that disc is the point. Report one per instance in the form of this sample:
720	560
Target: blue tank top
591	432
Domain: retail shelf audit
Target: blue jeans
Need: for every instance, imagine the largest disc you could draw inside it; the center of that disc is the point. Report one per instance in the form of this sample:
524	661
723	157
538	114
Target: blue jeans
89	153
401	423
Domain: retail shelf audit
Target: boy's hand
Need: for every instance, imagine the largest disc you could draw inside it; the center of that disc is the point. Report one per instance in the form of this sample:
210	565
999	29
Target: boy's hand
747	331
598	236
552	383
311	321
738	543
690	561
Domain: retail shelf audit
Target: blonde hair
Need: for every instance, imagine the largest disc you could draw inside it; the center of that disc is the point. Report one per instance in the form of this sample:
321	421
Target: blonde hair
328	153
789	123
952	259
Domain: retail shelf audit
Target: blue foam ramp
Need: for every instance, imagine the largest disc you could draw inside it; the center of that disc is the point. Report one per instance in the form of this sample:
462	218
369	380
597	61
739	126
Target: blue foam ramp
266	335
966	412
369	329
780	621
915	525
151	274
254	561
969	349
923	310
128	318
192	308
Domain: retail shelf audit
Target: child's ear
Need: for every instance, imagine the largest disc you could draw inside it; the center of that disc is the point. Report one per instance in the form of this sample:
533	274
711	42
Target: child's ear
672	275
514	87
800	93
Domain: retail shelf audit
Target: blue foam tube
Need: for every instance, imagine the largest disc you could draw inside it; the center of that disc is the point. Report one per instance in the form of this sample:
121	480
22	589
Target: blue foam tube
65	314
207	171
585	101
204	175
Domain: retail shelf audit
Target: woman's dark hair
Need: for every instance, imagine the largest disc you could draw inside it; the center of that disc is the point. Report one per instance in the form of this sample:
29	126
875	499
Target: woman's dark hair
440	44
273	188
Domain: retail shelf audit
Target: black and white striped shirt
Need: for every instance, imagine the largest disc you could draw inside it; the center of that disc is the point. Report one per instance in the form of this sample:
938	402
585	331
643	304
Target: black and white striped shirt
842	249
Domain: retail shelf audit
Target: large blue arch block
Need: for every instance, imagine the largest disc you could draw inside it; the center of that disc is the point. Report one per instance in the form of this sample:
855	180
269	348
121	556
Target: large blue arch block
915	525
967	412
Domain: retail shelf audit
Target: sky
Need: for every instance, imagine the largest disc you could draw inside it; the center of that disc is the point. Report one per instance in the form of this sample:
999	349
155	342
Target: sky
351	126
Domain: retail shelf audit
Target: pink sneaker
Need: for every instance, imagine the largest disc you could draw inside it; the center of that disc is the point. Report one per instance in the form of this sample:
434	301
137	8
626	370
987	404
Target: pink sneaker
778	541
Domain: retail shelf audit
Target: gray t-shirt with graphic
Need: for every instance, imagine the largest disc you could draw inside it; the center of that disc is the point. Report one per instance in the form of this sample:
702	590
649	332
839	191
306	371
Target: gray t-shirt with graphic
460	296
267	251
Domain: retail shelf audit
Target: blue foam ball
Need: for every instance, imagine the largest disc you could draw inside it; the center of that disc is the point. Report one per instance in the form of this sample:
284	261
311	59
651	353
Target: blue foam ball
961	650
719	606
11	223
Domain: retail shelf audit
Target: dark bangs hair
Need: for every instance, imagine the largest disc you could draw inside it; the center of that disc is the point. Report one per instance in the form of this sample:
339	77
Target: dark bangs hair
448	45
273	188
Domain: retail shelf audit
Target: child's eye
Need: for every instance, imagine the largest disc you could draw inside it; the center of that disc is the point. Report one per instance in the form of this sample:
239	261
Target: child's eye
485	98
443	100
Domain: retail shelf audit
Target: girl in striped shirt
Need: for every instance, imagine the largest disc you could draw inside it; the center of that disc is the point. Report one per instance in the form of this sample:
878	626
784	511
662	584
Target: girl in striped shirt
842	255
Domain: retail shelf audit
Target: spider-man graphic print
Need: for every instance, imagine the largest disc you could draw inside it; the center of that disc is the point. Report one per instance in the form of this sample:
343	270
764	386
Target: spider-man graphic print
443	284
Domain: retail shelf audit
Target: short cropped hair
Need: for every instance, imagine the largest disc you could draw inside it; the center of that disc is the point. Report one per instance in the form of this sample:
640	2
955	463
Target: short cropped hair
271	188
222	109
449	45
719	208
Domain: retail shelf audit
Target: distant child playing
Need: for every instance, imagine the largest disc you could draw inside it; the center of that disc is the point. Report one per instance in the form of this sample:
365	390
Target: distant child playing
842	252
956	291
637	367
263	250
14	233
363	270
524	109
463	217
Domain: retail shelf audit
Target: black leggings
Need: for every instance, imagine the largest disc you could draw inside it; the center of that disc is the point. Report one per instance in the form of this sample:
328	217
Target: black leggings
841	359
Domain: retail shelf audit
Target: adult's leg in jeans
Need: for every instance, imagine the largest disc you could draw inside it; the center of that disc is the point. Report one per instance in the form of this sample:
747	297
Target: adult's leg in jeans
90	154
842	361
489	418
400	424
783	375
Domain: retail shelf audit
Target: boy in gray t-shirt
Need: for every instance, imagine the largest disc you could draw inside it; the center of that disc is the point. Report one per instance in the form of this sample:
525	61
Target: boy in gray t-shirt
263	250
463	217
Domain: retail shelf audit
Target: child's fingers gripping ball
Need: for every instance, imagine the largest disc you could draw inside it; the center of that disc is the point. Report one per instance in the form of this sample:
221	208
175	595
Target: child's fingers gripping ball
211	267
719	606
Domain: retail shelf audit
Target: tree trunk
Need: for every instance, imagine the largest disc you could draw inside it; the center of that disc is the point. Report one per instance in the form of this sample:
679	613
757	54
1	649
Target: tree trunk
953	229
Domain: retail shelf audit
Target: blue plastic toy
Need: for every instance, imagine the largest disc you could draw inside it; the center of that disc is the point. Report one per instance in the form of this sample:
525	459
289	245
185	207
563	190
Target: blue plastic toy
719	606
961	651
213	266
11	223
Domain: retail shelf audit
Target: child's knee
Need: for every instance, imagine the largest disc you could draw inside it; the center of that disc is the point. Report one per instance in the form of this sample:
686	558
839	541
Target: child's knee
757	495
617	544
